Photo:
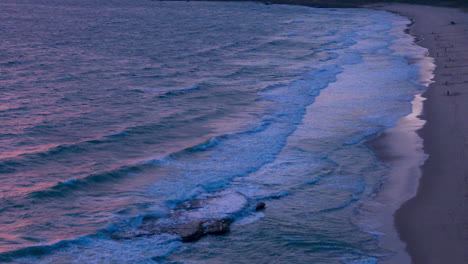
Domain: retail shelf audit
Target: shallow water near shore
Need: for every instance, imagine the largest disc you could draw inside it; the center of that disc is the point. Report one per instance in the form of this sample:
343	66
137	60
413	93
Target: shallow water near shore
116	111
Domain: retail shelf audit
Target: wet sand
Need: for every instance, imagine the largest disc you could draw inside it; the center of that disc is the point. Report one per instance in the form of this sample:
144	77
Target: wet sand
434	223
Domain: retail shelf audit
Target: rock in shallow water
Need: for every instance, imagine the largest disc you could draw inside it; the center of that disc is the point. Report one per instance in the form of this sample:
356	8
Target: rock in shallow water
210	214
194	230
260	206
188	232
217	226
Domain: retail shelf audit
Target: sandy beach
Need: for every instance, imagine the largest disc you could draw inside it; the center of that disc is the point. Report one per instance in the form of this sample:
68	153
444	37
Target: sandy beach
232	132
433	224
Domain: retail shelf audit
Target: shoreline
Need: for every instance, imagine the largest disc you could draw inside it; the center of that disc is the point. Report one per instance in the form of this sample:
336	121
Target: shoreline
432	220
348	3
424	217
400	148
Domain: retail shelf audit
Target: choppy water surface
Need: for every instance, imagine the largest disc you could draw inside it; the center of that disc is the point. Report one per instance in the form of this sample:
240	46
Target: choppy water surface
115	110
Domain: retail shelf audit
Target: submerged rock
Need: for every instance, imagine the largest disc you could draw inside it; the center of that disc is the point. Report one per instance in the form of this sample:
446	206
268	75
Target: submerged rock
260	206
188	232
209	214
217	226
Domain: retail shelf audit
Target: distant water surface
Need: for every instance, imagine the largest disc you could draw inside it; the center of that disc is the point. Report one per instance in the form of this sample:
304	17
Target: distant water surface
115	110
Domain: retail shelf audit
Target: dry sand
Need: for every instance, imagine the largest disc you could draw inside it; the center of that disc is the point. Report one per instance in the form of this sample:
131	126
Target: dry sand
434	223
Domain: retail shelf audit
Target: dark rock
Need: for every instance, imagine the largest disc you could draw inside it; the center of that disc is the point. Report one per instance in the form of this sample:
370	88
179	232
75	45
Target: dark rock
189	232
191	220
158	259
260	206
217	226
196	229
191	205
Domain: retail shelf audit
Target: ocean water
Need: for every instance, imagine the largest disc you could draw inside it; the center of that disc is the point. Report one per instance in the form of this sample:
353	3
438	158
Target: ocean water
115	111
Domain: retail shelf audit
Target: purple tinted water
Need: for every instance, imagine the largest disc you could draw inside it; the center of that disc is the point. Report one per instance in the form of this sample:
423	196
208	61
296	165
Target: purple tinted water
113	110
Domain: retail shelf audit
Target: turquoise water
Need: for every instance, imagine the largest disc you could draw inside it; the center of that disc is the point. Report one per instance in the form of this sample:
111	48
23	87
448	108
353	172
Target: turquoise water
113	111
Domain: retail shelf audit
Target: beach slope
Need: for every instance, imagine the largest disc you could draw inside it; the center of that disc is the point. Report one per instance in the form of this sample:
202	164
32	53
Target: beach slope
434	223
